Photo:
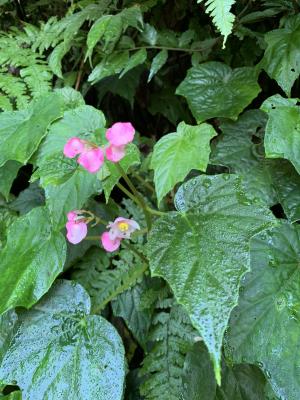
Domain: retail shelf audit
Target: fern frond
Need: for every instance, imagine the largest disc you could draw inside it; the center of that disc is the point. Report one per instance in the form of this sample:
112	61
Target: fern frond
37	78
223	19
104	284
14	89
171	336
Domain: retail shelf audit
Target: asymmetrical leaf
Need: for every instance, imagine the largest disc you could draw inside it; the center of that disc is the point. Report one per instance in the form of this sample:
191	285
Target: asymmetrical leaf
176	154
33	257
265	328
213	89
157	63
193	251
78	356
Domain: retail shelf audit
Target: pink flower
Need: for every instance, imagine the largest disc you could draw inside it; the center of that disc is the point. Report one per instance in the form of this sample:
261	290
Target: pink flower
76	231
73	147
120	229
115	153
108	243
91	159
120	133
76	227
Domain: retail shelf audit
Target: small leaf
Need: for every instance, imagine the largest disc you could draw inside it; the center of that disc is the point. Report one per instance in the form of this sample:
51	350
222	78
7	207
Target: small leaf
77	357
157	63
176	154
213	89
136	59
282	56
33	257
265	328
110	65
192	250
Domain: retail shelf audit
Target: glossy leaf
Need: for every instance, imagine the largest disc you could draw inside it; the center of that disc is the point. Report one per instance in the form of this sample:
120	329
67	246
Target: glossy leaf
192	250
282	56
22	131
282	138
136	59
239	148
78	356
157	63
213	89
176	154
33	257
265	328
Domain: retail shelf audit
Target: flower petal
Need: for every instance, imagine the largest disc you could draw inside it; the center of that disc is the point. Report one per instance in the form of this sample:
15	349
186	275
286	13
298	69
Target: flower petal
120	133
92	159
73	147
108	244
76	231
115	153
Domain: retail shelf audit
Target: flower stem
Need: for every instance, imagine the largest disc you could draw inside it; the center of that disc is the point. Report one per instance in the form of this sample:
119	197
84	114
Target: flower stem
144	182
136	195
156	212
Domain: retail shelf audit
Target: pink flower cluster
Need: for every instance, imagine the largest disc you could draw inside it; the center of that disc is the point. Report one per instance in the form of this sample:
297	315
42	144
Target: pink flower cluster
91	157
120	229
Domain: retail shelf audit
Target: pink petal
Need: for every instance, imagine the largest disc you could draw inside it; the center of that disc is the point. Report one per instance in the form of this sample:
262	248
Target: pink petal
76	231
115	153
120	133
72	215
91	160
108	244
73	147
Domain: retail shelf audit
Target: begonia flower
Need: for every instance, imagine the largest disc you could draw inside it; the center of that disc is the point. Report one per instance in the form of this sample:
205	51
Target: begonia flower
109	244
120	229
120	133
92	159
73	147
115	153
76	227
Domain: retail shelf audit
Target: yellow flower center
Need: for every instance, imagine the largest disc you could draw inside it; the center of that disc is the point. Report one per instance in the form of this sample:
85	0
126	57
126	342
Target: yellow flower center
123	226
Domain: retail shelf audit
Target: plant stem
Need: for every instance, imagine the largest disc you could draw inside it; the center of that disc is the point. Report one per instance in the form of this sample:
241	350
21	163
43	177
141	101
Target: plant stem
79	76
144	182
156	212
134	250
92	237
129	194
136	195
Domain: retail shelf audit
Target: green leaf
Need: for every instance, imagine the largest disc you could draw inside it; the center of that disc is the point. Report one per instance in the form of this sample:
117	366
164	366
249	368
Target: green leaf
139	57
157	63
270	181
78	356
192	250
12	396
22	131
219	10
176	154
282	139
67	185
8	173
107	28
213	89
265	328
110	65
282	56
33	257
7	324
131	158
31	197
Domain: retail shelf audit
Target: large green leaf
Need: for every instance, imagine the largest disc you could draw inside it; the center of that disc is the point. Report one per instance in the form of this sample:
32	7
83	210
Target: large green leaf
67	185
213	89
59	351
203	251
282	139
22	131
282	56
33	257
176	154
265	328
271	181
